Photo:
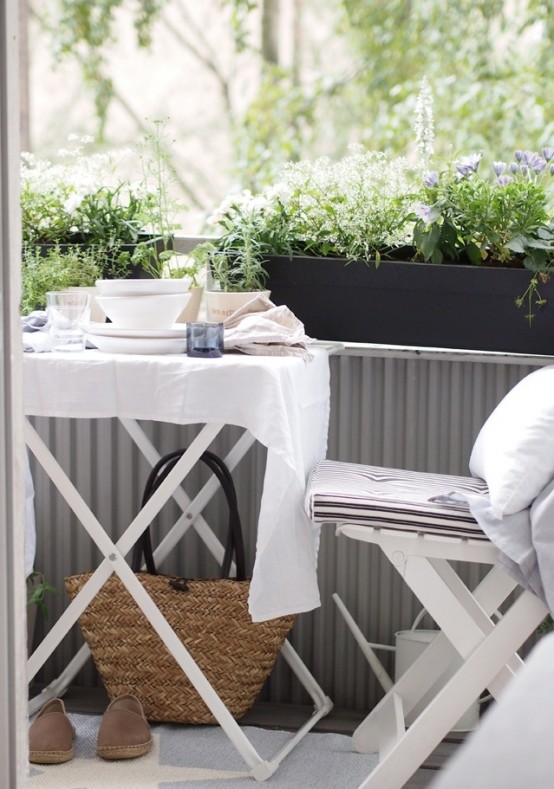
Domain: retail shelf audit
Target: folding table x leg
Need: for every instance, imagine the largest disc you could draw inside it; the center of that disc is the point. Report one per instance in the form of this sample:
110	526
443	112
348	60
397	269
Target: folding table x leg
114	561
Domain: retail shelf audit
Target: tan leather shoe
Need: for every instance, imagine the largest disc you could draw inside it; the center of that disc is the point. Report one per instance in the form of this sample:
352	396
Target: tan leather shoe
51	735
124	732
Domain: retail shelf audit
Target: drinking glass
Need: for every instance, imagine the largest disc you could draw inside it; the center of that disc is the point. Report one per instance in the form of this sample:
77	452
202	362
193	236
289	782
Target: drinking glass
205	340
66	312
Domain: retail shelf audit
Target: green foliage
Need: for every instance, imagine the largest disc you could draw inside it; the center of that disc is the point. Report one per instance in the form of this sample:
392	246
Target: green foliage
274	128
358	208
37	589
190	269
85	31
55	269
234	265
82	199
497	218
488	63
239	17
369	206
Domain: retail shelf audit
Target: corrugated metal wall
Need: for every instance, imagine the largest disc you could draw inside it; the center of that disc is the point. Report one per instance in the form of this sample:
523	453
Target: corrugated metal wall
402	412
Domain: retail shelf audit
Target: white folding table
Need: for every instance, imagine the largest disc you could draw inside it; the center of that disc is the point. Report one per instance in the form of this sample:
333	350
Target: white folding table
283	402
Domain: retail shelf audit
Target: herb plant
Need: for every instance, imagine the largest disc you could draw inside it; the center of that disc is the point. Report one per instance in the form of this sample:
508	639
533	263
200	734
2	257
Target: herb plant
55	269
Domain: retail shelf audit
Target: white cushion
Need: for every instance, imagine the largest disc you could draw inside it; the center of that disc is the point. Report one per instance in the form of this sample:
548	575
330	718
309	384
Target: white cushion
514	451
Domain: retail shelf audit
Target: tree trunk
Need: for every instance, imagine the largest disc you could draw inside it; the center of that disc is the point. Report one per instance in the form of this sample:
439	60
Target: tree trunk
296	67
270	31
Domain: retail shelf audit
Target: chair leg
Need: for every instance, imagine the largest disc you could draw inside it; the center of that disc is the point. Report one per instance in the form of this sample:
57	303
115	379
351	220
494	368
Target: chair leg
477	671
464	618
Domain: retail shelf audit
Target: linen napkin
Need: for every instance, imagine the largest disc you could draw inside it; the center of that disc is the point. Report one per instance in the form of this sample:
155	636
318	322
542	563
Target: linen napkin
264	329
35	332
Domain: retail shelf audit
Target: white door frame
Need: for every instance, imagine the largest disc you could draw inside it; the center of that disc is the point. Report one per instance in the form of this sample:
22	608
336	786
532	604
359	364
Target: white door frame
13	686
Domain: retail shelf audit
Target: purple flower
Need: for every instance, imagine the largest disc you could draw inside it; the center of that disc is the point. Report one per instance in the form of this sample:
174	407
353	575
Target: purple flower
431	179
518	155
498	167
548	153
513	167
469	164
503	180
423	212
533	161
552	169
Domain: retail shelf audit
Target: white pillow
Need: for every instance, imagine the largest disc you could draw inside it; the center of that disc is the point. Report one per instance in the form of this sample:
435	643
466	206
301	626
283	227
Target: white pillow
514	451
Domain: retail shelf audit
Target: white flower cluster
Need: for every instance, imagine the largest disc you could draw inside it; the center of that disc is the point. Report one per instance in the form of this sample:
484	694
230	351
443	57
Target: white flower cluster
424	123
63	184
355	204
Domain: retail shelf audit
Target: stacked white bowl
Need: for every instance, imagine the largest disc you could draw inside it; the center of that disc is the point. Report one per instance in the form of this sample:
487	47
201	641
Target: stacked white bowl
142	314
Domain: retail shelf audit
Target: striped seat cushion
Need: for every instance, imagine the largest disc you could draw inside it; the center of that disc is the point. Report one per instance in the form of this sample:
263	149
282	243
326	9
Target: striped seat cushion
393	499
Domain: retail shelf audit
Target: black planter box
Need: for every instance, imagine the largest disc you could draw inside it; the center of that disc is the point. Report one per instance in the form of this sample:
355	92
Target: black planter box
441	306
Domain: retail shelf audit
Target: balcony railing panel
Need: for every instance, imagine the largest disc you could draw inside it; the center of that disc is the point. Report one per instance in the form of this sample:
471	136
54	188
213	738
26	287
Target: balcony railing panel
389	408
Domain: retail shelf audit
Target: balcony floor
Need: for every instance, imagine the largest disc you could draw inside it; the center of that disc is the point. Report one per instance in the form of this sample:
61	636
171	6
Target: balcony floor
94	701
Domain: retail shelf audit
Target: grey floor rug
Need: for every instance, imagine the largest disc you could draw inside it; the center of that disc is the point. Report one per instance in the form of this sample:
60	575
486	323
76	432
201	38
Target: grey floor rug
203	757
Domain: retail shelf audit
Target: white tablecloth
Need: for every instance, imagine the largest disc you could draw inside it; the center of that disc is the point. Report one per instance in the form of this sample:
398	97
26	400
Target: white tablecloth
282	401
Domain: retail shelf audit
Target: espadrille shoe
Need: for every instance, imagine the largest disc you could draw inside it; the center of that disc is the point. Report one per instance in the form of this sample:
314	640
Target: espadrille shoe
124	732
51	735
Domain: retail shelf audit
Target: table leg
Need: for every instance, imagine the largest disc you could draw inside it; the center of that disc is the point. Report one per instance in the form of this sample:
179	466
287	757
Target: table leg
114	561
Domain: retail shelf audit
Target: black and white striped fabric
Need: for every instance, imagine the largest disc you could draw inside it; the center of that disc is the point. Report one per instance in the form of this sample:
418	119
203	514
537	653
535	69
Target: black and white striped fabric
393	499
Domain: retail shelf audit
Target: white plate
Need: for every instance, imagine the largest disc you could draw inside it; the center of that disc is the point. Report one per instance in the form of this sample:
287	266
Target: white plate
144	345
109	330
142	287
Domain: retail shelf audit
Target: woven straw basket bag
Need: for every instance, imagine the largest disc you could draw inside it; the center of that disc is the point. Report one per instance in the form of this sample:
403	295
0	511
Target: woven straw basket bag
209	616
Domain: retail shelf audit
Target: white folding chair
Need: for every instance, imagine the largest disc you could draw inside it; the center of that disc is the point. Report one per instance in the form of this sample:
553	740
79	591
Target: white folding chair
410	517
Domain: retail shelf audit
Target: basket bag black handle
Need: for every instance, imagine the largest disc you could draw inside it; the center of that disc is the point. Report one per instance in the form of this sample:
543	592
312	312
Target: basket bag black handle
142	550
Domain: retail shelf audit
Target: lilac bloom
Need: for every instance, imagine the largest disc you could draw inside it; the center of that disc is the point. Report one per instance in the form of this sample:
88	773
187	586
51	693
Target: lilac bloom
548	153
518	155
503	180
526	156
552	169
423	212
469	164
533	161
513	167
431	179
498	167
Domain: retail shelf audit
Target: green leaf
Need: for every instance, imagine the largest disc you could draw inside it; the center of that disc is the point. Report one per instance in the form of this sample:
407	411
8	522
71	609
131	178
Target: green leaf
516	245
430	240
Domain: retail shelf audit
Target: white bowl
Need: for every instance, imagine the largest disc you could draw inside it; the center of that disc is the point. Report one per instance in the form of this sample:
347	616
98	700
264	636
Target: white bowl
142	287
144	312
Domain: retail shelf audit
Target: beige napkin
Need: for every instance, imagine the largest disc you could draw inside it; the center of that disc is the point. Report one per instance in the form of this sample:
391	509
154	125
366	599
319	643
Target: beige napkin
262	328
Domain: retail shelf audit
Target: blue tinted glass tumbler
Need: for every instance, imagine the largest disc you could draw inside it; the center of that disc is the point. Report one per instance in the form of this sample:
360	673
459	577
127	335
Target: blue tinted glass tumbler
205	340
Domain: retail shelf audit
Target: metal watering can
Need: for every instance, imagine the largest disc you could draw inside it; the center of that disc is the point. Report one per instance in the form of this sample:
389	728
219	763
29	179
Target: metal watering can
409	645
